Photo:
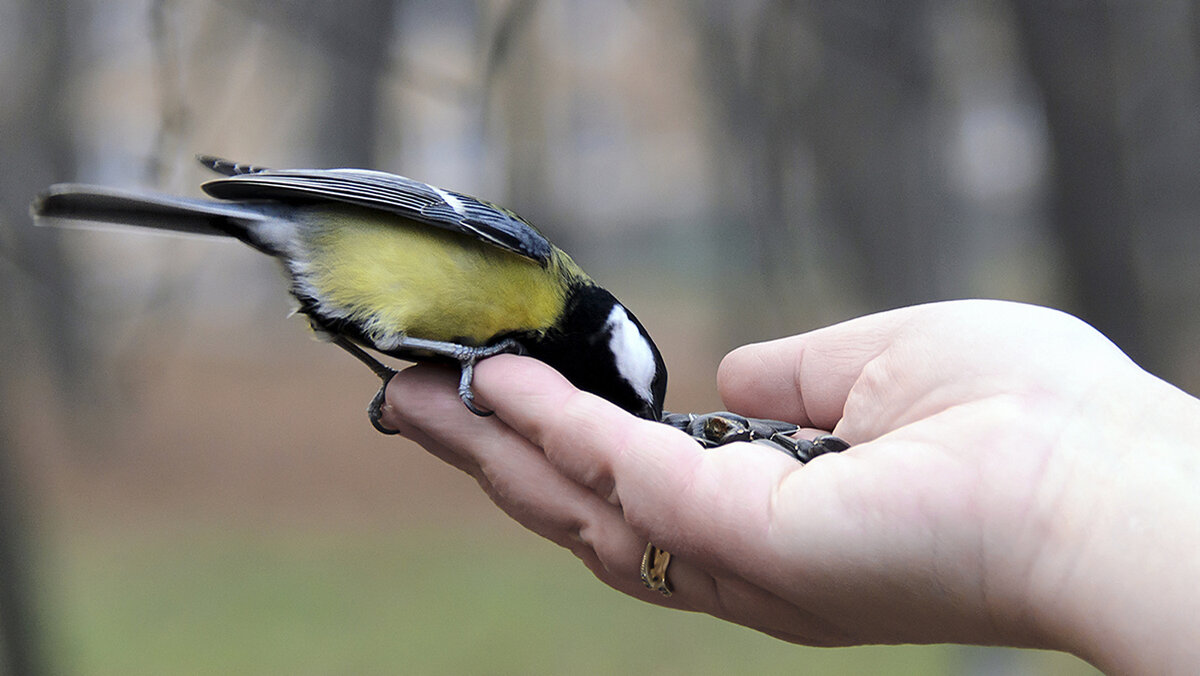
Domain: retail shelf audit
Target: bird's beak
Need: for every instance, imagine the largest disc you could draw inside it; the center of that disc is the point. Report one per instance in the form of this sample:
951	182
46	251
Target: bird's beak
649	412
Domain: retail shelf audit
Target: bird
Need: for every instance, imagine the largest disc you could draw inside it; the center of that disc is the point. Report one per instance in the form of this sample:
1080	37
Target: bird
386	264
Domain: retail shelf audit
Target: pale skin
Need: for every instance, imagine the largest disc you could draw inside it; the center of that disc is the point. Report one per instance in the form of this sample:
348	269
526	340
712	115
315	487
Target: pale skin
1015	480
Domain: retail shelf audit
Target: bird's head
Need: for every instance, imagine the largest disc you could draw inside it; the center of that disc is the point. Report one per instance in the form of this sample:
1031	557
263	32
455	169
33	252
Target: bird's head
602	348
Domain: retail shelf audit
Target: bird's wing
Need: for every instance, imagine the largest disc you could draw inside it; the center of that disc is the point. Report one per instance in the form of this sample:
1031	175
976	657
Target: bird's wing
386	192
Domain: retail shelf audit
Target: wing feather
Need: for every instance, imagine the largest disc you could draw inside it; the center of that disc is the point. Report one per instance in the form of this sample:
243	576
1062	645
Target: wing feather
411	199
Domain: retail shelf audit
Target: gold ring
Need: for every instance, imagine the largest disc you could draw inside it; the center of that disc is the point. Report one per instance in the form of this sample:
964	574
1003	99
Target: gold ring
654	569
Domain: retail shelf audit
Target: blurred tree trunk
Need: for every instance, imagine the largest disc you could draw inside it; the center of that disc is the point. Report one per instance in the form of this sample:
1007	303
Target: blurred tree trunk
742	59
354	41
1070	48
20	636
849	87
870	120
517	93
358	44
36	152
1158	82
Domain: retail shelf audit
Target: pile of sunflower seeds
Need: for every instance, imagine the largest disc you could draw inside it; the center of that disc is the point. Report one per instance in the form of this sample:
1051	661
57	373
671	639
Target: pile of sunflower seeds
722	427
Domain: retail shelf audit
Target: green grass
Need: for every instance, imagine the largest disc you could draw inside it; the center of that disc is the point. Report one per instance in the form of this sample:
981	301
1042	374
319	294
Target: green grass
200	601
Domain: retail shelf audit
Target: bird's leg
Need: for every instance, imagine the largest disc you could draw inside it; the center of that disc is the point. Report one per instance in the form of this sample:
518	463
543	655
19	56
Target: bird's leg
466	356
507	346
464	389
385	373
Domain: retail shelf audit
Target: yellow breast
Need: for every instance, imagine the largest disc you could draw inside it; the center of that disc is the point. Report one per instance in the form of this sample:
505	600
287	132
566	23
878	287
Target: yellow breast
394	276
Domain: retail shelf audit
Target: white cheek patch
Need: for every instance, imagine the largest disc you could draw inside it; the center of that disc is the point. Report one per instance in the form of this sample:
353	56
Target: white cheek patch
635	359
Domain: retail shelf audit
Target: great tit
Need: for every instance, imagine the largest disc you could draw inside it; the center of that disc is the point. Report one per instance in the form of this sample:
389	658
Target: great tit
406	269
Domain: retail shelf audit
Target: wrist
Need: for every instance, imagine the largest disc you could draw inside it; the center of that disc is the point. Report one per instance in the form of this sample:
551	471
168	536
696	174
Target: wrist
1115	577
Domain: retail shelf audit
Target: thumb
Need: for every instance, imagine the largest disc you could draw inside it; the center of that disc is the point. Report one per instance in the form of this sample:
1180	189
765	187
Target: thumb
806	379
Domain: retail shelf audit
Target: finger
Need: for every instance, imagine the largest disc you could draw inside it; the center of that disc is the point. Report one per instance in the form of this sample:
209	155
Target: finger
422	403
720	511
580	433
806	378
672	492
736	599
421	399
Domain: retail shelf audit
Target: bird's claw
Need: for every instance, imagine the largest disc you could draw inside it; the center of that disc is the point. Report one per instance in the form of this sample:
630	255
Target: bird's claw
467	360
375	408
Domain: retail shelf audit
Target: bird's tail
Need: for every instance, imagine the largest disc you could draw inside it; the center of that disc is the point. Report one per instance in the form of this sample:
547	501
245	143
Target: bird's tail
71	201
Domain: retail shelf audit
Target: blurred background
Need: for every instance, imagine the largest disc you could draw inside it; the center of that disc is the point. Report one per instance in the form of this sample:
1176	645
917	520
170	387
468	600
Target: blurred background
188	483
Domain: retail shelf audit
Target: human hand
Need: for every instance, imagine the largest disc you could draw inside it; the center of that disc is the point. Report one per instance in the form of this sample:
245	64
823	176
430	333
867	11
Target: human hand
1002	454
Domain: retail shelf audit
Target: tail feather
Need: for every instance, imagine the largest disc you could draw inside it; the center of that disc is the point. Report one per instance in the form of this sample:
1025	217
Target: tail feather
143	209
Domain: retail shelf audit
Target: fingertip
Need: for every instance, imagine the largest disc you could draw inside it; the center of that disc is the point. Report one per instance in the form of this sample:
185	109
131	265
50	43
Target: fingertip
507	365
582	434
509	378
759	379
735	379
533	398
806	378
729	371
420	393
